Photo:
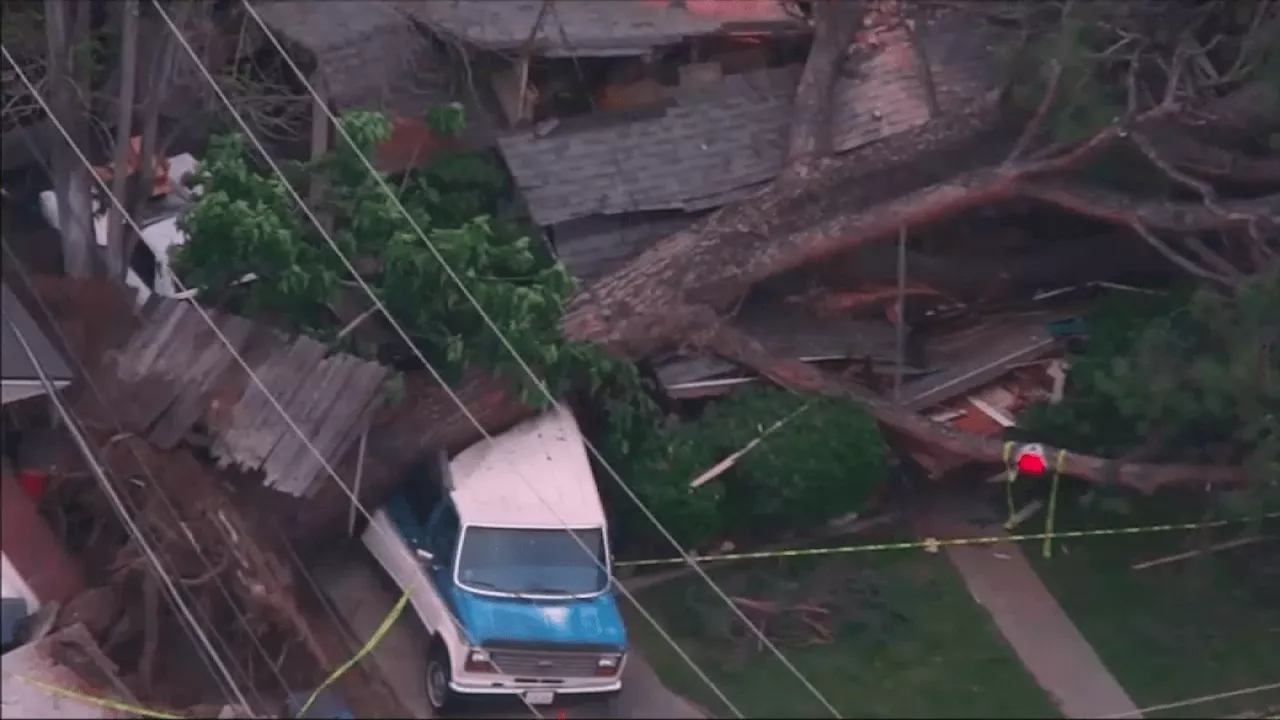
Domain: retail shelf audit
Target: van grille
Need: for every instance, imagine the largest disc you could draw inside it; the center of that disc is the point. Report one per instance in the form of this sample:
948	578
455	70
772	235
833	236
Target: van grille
521	663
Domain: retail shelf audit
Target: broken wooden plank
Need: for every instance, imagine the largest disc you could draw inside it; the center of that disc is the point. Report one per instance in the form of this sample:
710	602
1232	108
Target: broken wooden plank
186	410
338	410
323	383
337	424
256	427
134	359
927	392
180	349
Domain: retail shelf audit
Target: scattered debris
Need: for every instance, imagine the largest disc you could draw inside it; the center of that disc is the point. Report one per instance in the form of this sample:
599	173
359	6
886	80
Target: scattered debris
1021	516
59	676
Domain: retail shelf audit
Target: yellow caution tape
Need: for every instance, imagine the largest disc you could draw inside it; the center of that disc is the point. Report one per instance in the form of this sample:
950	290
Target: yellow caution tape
376	638
1012	474
1047	549
102	702
932	544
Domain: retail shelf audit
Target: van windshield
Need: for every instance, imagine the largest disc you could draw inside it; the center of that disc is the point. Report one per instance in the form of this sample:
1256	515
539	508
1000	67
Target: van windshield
524	561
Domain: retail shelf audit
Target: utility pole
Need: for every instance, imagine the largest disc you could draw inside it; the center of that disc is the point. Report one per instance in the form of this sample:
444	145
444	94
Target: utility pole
116	261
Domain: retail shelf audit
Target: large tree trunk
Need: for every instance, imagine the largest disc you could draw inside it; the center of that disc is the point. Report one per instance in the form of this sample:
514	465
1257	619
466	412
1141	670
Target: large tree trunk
66	26
678	291
116	260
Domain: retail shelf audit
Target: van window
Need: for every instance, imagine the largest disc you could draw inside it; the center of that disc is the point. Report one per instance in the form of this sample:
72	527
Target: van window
444	532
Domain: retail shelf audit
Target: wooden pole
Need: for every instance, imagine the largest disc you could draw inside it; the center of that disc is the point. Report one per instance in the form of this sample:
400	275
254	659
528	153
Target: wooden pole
355	489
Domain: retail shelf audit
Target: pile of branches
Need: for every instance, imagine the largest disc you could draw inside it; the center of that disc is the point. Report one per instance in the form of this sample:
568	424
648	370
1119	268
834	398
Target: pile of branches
792	605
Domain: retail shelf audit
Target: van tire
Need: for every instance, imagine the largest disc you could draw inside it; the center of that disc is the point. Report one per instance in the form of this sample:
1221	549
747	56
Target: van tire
439	673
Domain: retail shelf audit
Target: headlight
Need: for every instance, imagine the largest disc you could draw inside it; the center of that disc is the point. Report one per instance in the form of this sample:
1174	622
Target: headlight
607	665
478	661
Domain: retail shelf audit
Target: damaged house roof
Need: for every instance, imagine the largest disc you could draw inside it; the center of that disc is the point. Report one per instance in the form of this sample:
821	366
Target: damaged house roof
597	27
15	363
368	53
714	144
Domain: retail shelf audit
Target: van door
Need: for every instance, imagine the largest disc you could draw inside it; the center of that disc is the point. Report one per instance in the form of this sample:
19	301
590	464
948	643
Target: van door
443	530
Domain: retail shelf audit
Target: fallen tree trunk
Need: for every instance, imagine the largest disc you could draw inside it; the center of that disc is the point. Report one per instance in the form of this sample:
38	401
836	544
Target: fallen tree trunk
679	289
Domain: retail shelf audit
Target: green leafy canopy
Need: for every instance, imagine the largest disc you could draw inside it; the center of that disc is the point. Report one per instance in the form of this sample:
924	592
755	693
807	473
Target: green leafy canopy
246	221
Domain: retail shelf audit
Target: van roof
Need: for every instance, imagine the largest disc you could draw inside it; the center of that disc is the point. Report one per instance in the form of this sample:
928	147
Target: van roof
534	475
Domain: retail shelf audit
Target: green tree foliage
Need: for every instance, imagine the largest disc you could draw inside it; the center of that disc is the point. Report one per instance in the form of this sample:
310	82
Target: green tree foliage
1196	384
822	463
245	221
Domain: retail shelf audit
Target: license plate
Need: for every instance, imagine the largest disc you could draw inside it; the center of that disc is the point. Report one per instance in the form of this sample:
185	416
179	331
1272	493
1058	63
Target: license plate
540	697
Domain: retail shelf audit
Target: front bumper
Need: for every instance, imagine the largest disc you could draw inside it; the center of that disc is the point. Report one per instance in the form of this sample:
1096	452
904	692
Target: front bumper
506	686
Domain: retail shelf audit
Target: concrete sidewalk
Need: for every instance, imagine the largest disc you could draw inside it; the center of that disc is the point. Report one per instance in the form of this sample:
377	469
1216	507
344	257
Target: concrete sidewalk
1046	641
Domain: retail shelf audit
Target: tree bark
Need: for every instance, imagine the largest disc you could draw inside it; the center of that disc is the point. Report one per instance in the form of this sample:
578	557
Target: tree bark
116	260
70	176
808	140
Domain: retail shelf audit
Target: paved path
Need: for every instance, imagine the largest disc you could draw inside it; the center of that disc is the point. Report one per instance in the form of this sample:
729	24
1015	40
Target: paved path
1029	617
364	597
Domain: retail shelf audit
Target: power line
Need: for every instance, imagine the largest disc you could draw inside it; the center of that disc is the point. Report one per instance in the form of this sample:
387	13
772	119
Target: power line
346	262
538	382
214	327
73	427
1200	700
24	274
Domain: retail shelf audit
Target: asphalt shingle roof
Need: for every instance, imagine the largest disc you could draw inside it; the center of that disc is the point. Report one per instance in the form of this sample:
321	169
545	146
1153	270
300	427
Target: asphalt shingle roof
711	144
15	363
370	53
595	27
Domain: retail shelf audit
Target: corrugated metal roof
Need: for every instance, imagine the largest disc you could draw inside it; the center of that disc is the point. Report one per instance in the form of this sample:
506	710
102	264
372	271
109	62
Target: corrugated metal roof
712	142
15	364
596	27
370	54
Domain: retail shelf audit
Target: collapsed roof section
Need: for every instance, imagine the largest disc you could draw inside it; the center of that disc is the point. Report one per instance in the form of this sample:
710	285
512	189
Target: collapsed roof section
709	145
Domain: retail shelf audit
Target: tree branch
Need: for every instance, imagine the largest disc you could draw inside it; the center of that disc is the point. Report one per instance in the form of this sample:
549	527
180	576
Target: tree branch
1037	121
738	347
1160	215
810	135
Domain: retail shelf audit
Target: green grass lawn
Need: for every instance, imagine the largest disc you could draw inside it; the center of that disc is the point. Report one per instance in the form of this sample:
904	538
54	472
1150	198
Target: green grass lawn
937	655
1167	633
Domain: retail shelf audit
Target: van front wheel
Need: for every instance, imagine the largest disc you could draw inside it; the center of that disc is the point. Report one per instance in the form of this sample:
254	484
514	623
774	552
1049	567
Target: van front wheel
439	673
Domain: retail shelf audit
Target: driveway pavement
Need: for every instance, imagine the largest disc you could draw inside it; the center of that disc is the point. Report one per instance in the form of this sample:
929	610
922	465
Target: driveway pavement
363	597
1002	581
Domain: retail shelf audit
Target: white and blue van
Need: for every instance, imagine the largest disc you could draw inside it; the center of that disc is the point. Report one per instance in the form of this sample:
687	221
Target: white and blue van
505	551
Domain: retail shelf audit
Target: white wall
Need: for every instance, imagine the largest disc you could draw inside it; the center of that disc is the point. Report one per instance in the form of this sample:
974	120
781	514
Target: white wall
13	586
